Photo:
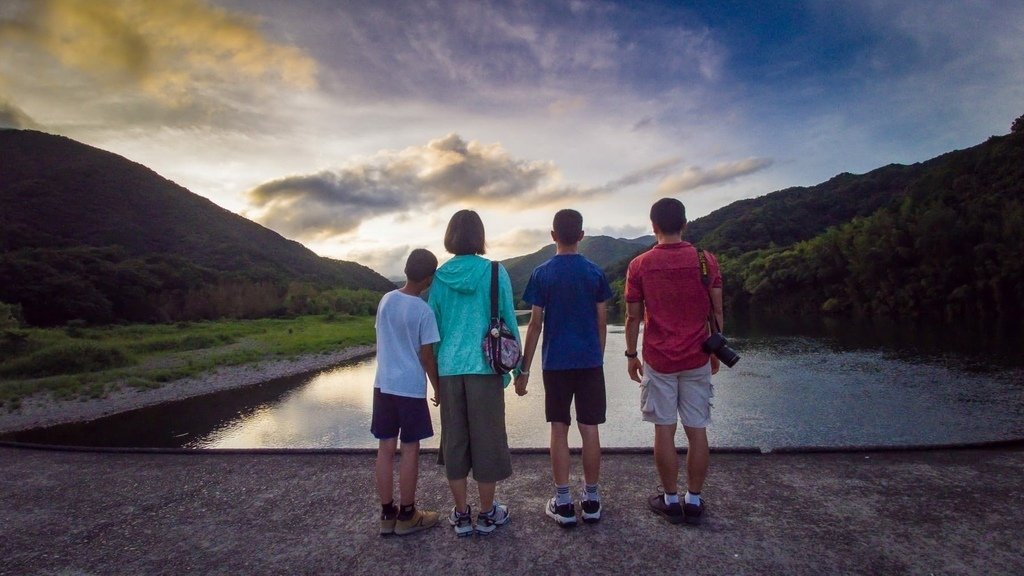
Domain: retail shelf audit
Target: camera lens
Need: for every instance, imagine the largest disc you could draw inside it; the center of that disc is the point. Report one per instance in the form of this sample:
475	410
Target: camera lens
728	356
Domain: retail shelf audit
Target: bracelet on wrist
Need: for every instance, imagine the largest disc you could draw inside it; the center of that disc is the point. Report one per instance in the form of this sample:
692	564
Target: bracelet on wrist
631	355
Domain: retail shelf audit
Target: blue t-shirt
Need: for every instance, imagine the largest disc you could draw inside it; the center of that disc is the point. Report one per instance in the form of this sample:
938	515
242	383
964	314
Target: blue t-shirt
568	288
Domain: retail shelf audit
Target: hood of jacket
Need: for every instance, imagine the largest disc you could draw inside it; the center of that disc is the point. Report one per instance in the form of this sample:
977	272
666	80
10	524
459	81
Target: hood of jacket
464	274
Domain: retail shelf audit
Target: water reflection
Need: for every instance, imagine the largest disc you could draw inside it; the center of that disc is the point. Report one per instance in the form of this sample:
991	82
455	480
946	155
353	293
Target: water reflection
795	389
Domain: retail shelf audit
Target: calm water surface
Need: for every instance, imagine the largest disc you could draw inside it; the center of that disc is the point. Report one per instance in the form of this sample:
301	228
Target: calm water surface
822	386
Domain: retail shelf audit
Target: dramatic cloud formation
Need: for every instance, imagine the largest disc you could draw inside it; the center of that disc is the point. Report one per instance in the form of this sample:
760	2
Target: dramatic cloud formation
446	171
170	49
594	103
695	177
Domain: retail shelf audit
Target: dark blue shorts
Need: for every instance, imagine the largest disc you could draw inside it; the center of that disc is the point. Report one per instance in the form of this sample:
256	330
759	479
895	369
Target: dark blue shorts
585	386
393	414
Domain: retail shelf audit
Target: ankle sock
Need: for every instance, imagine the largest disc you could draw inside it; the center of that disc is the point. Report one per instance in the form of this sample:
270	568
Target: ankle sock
671	498
692	498
562	495
387	510
590	491
406	512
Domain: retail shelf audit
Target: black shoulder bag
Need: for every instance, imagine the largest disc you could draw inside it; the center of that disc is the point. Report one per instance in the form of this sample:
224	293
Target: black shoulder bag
501	349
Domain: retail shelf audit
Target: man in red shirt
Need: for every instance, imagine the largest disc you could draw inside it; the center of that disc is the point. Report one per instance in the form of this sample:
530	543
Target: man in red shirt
664	288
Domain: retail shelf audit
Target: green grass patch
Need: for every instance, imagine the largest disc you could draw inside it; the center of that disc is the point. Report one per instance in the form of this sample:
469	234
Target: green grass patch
89	362
73	358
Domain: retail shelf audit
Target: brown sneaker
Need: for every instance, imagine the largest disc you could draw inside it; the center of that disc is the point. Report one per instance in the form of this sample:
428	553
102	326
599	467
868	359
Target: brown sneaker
387	522
671	512
420	520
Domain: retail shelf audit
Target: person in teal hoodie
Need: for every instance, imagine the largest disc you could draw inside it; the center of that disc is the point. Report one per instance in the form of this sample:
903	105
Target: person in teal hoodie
472	395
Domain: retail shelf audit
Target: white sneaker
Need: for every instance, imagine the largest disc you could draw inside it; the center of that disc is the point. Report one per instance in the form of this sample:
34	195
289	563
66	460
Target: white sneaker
590	510
564	515
487	522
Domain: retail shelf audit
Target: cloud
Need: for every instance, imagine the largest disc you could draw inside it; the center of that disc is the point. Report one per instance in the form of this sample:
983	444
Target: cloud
171	51
643	124
519	241
445	171
13	117
628	231
656	170
695	177
388	261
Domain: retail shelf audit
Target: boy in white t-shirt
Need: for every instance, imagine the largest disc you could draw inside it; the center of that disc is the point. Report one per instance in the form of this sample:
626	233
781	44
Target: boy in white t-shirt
406	330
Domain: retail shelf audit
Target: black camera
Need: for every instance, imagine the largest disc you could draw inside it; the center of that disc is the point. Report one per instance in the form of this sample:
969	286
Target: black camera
717	344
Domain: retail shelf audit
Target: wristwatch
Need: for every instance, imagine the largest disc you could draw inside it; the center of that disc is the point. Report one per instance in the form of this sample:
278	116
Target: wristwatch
629	355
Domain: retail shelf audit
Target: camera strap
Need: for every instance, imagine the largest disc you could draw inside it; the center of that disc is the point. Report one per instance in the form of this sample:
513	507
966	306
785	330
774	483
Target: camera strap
705	279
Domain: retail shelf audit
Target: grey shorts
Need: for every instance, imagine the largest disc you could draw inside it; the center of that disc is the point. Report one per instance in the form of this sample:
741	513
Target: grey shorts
473	428
686	395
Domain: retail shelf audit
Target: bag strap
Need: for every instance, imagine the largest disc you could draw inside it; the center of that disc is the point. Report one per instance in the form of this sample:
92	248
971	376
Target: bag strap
494	291
705	279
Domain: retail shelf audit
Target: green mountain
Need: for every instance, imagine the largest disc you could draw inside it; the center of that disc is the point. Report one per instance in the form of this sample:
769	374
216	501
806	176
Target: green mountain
602	250
940	239
86	234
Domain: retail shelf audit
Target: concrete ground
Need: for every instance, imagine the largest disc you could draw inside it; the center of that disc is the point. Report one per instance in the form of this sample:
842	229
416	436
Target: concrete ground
916	512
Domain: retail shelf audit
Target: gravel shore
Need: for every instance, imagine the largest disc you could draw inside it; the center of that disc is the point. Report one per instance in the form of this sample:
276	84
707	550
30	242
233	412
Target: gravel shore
42	410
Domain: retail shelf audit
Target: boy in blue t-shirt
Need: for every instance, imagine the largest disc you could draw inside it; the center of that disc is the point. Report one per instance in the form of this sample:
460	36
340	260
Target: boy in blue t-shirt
406	332
568	294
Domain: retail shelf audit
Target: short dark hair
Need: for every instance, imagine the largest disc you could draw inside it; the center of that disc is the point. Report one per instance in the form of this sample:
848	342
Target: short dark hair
465	234
567	226
420	265
669	215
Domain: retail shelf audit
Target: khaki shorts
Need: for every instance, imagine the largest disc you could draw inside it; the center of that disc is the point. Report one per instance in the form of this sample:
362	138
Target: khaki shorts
686	394
473	428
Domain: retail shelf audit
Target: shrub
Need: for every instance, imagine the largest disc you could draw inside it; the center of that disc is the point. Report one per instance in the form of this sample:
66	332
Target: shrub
72	358
10	315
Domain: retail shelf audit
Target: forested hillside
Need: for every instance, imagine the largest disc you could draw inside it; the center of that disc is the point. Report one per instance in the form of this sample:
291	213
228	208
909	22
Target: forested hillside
940	239
88	235
949	245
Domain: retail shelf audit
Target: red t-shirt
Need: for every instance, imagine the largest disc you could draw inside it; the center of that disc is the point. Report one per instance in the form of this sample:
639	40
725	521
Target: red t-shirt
666	279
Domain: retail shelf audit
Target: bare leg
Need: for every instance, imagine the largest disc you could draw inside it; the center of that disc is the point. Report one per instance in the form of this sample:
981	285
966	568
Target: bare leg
408	471
591	453
487	490
559	452
697	457
385	469
665	457
459	493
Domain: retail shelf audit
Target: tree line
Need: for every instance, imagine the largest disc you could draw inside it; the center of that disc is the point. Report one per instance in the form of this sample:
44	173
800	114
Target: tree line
54	286
944	242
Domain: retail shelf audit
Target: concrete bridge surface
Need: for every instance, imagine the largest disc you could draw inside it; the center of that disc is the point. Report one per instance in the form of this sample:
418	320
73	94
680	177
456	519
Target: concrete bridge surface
947	511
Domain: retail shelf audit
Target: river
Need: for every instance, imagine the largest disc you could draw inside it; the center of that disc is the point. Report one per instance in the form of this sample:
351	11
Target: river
816	384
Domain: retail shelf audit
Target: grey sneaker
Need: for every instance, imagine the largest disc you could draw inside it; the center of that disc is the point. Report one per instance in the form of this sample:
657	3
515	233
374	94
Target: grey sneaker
487	522
590	509
462	521
564	514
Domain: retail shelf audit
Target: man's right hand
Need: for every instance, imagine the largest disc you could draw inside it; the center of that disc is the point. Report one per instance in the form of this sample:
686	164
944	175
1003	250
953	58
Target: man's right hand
636	369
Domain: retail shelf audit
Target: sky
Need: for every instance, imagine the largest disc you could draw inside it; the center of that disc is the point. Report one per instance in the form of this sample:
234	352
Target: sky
359	127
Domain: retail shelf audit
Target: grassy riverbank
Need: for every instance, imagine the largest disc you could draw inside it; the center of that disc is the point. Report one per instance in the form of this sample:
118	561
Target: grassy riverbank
83	362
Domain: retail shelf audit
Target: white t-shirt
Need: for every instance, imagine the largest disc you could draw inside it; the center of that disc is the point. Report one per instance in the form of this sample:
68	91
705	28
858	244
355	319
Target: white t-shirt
404	324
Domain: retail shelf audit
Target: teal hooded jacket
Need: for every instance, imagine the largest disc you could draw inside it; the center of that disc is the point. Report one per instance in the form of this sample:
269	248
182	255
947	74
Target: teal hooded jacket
461	299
